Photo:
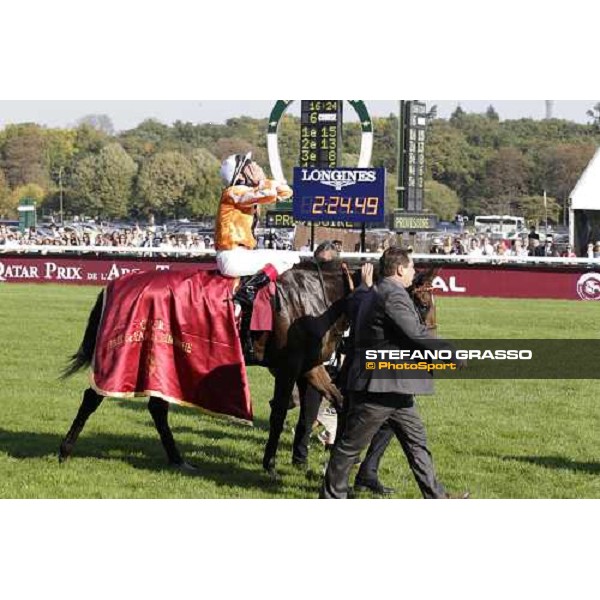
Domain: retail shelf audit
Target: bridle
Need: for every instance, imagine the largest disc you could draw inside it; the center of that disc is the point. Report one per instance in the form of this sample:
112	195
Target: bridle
424	310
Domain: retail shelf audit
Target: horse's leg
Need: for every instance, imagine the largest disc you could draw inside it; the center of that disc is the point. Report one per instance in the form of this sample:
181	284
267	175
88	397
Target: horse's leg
159	409
91	401
284	384
319	378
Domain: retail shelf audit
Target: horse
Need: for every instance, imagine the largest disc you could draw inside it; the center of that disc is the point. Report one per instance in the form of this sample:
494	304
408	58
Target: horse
309	304
309	321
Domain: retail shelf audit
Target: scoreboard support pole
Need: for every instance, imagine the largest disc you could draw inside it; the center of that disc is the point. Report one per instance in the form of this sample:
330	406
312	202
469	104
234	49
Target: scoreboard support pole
363	237
312	236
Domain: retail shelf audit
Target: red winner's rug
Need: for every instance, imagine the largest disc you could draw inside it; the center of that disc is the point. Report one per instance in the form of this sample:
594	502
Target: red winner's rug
172	334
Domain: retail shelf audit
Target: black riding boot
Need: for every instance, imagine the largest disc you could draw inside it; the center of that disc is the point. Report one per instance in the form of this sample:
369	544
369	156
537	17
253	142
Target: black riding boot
244	297
248	289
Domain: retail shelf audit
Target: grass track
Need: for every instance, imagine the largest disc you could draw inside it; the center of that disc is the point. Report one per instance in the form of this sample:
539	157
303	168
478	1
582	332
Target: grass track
499	439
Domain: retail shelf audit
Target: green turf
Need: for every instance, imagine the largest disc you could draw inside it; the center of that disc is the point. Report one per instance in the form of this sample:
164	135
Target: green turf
498	439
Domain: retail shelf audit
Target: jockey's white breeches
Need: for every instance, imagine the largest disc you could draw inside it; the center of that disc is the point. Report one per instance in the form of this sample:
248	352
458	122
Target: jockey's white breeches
241	261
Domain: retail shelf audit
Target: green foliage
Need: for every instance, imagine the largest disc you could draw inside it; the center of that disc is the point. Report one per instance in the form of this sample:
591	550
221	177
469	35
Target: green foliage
451	160
507	175
31	190
24	155
163	182
491	165
102	184
594	113
204	192
101	123
532	208
491	113
441	200
8	207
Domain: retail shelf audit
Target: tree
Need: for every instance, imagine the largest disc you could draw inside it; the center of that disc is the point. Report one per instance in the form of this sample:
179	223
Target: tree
534	211
561	168
204	192
24	156
441	200
116	172
89	140
163	183
8	207
457	115
507	175
101	123
491	113
146	139
103	184
451	160
227	146
31	191
595	114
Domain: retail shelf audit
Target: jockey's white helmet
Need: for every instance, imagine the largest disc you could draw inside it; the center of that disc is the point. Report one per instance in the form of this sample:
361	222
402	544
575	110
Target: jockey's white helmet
233	165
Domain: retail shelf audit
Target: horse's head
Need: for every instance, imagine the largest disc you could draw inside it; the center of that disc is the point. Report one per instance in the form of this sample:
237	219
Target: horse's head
421	292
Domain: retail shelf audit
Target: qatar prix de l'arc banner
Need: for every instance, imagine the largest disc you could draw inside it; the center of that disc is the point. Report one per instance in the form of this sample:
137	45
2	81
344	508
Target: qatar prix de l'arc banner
340	194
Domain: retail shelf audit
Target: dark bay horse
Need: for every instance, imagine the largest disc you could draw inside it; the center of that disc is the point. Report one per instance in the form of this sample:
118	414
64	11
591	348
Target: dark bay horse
309	322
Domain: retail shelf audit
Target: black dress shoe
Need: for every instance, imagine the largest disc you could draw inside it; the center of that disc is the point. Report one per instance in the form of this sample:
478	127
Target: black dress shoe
374	486
301	465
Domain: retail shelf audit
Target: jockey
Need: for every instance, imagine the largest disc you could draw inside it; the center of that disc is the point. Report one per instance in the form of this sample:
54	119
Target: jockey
246	188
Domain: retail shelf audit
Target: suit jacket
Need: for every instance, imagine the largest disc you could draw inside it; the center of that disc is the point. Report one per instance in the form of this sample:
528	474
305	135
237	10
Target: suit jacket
387	320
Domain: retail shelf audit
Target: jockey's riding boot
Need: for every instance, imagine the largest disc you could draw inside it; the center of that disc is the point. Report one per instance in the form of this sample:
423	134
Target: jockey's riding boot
244	299
248	289
246	339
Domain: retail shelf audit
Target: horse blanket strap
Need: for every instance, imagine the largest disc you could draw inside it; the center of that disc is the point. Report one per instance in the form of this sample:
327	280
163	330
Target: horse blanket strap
262	312
172	334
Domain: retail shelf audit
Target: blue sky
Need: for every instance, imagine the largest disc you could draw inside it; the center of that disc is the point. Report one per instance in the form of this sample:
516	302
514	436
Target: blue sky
127	114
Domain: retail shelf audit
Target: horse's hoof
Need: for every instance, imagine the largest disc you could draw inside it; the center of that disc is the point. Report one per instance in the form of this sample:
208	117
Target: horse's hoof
274	476
185	467
63	455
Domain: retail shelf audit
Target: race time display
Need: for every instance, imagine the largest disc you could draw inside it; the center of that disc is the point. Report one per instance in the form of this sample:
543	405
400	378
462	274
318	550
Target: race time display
340	194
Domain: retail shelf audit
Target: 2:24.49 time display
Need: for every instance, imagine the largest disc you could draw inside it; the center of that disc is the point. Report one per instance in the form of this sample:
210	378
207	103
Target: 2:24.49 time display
339	205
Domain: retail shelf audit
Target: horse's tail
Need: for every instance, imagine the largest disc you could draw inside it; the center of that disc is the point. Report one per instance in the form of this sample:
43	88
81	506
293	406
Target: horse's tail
83	357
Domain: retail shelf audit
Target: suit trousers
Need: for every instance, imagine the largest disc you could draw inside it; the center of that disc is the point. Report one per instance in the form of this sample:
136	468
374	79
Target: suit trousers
366	415
368	471
369	467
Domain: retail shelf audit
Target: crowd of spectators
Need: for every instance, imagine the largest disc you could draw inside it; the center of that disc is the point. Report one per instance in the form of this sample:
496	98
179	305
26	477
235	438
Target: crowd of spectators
479	245
133	236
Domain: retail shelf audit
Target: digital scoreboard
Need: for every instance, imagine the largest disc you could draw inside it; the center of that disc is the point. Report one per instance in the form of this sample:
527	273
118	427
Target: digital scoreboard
320	133
414	122
341	194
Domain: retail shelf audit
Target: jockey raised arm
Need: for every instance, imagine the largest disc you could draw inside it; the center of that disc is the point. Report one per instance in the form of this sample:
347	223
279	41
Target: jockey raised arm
246	189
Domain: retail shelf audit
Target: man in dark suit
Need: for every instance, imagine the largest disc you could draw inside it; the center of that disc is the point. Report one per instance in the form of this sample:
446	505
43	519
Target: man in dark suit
367	477
387	319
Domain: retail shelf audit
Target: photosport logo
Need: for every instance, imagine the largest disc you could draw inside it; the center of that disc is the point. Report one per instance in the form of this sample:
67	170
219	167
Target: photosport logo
588	286
483	359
